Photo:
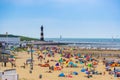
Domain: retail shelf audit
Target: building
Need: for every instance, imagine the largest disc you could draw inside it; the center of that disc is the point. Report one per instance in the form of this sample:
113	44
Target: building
10	40
9	75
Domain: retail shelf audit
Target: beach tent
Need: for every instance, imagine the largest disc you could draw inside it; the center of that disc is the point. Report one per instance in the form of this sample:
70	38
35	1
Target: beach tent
28	61
57	64
87	72
79	55
61	75
114	65
57	68
71	63
75	73
89	65
60	60
83	70
118	74
44	65
107	68
94	63
74	65
81	62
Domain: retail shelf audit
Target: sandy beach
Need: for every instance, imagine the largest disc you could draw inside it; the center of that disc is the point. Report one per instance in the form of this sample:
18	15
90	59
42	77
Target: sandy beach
24	73
59	39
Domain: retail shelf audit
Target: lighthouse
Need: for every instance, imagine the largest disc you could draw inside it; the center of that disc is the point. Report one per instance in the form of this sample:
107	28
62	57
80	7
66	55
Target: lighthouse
42	34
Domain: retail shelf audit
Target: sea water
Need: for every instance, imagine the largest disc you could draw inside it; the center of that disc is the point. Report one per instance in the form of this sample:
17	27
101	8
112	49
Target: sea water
89	42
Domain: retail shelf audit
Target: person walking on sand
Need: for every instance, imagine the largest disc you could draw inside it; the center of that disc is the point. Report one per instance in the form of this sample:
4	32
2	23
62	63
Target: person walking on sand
40	57
40	76
24	65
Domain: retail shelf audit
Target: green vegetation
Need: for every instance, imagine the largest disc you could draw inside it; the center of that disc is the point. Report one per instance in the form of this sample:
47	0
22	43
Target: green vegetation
10	35
27	38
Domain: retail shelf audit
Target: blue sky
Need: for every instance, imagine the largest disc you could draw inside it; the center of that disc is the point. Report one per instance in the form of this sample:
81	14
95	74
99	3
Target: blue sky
69	18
